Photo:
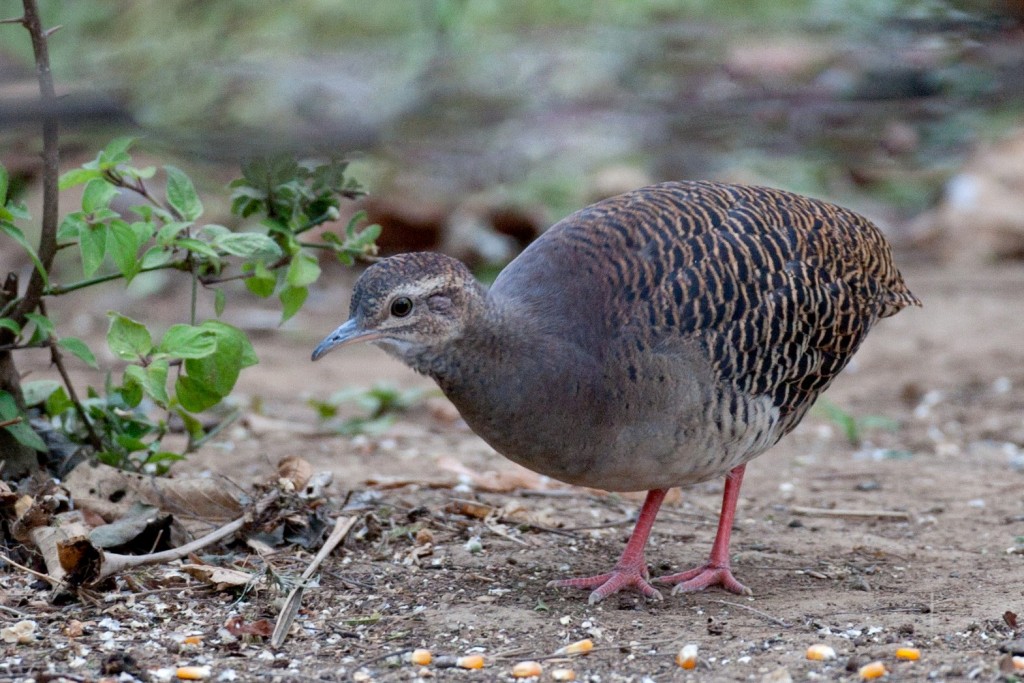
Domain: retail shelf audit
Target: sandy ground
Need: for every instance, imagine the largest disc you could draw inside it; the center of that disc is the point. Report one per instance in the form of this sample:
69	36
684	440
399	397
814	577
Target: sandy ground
941	577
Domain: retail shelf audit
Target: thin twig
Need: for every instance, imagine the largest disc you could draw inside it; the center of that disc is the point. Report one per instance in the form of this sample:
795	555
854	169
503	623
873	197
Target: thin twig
11	610
850	514
58	361
56	290
763	615
291	606
378	658
33	572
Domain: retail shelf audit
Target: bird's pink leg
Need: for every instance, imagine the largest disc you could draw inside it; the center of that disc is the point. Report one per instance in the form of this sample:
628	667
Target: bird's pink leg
631	569
717	570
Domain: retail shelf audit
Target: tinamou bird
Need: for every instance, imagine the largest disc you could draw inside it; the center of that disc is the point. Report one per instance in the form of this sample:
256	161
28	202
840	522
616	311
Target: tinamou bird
659	338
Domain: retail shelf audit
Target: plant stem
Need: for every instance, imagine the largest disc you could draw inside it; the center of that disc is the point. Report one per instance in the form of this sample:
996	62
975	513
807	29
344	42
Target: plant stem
57	290
51	161
58	361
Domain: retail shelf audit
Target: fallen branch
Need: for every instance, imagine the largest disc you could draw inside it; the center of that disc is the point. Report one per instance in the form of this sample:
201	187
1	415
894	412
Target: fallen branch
895	515
80	552
291	606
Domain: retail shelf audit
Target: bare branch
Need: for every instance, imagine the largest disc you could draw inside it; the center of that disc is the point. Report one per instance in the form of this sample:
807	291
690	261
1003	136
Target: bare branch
51	162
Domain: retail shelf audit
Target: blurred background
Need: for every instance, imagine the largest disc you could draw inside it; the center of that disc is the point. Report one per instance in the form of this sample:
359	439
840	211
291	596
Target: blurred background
476	123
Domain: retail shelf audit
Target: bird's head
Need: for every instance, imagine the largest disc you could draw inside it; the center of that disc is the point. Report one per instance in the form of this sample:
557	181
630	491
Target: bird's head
411	305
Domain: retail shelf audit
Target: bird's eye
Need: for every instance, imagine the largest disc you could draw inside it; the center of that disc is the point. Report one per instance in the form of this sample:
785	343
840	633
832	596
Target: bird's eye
401	307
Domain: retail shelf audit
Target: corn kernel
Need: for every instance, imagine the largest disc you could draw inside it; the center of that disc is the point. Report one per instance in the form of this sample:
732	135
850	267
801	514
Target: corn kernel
470	662
908	654
1018	663
872	670
578	648
563	675
526	670
687	657
192	673
421	657
820	652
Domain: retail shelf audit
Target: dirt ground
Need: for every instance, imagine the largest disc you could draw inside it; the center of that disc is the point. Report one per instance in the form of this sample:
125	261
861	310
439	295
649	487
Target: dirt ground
419	570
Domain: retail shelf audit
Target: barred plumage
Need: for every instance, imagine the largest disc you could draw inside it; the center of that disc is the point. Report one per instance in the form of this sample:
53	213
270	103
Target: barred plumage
658	338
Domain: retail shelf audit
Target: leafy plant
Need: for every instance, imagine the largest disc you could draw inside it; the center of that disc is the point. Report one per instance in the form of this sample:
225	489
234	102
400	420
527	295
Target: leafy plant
852	426
380	403
193	365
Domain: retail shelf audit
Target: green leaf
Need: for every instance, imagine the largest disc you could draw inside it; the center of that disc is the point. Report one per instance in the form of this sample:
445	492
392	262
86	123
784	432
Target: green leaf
248	245
181	194
211	378
156	256
262	282
165	236
115	153
236	340
218	302
156	382
77	176
43	328
130	443
303	270
193	426
123	247
131	392
194	396
92	242
80	350
186	341
144	231
292	299
153	380
5	183
97	195
16	210
143	173
72	226
21	431
211	232
127	338
38	391
18	236
197	247
9	324
58	402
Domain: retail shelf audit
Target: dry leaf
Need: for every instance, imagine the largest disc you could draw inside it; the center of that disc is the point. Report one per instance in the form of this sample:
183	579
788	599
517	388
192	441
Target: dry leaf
111	492
220	577
294	470
237	626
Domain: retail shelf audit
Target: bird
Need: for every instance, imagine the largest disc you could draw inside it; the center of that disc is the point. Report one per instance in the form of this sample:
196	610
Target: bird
660	338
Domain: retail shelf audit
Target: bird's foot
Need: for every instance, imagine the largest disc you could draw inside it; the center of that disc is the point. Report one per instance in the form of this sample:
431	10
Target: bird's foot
625	576
700	578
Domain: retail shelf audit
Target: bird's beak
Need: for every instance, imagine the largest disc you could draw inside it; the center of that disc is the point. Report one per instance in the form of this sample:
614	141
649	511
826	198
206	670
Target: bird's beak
349	333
